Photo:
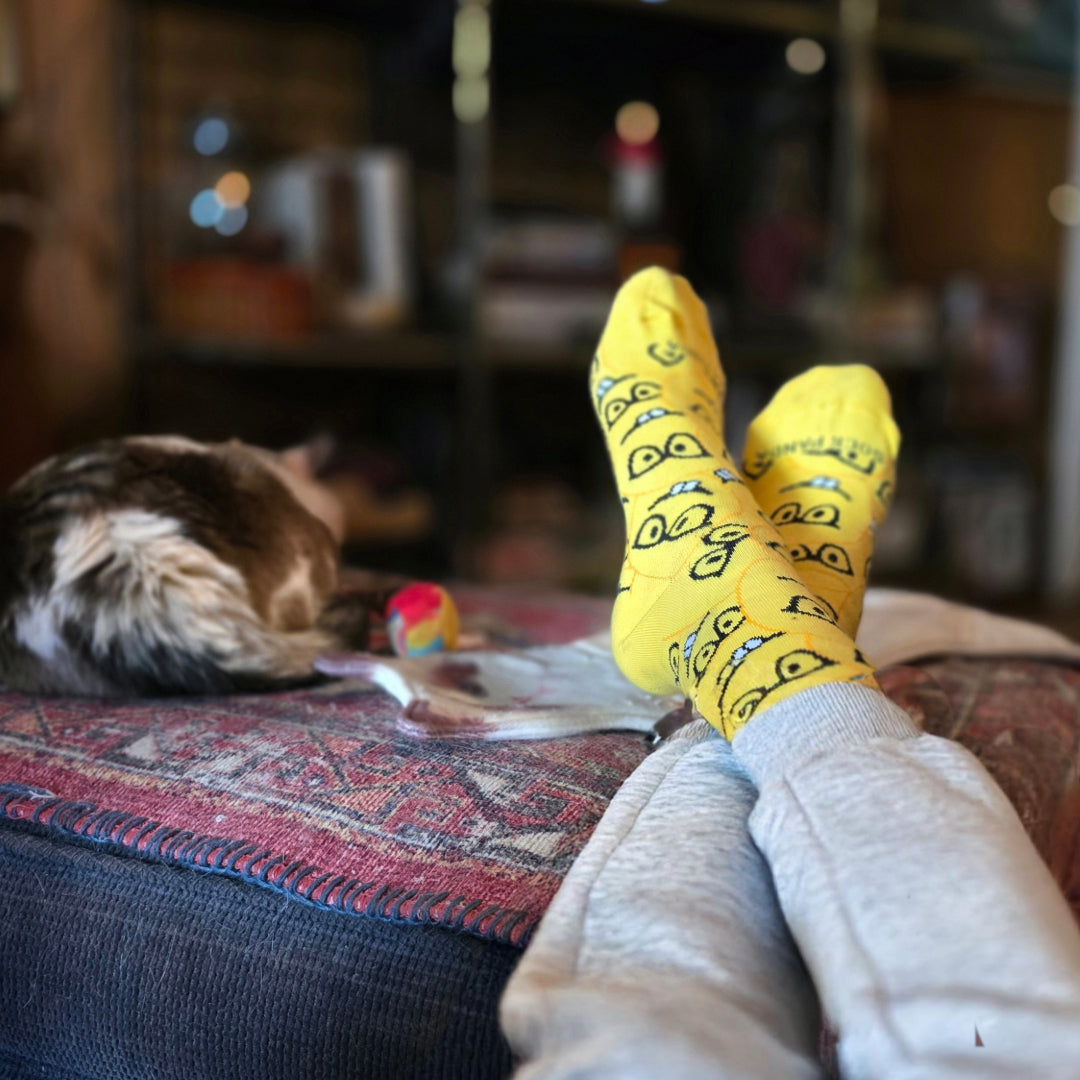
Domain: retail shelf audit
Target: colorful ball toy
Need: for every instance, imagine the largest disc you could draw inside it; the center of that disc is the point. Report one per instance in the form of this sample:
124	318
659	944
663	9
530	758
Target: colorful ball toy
421	619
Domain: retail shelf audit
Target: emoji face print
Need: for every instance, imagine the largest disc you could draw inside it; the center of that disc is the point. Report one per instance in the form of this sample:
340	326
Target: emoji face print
683	487
791	666
604	386
779	548
706	401
755	468
793	513
722	542
673	654
812	606
647	417
656	530
727	476
820	483
863	459
831	555
750	645
696	661
669	353
681	446
615	405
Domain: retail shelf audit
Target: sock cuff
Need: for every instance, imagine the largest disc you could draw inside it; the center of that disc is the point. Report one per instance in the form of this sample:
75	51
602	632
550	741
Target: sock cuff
819	719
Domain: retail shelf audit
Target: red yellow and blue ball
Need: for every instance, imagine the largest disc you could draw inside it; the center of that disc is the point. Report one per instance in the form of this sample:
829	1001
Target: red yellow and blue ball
421	619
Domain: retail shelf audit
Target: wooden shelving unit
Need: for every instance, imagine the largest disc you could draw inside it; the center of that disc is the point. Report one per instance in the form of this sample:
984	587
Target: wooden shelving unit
450	359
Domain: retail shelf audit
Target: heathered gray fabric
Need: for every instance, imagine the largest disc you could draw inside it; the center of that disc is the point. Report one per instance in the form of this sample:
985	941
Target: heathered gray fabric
925	916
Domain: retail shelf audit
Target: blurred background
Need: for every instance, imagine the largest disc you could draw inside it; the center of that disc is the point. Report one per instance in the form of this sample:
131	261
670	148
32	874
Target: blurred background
396	226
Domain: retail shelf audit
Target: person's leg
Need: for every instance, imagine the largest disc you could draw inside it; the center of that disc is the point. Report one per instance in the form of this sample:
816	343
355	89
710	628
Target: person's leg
820	461
664	953
710	602
938	941
858	812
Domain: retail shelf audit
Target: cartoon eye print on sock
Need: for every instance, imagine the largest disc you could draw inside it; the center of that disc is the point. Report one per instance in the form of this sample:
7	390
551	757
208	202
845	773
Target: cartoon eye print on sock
683	487
648	417
756	469
813	606
780	549
751	644
885	492
860	459
616	406
724	624
791	666
669	353
722	541
707	401
831	555
799	606
707	411
655	529
792	513
604	386
728	476
681	445
673	654
819	483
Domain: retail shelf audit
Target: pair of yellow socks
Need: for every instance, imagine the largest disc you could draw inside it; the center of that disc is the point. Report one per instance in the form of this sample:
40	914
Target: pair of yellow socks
742	586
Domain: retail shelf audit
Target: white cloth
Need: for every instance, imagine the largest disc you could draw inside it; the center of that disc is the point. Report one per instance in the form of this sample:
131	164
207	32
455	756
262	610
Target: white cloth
899	626
939	944
553	690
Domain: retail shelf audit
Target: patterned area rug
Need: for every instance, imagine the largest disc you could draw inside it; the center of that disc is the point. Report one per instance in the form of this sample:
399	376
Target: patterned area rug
315	793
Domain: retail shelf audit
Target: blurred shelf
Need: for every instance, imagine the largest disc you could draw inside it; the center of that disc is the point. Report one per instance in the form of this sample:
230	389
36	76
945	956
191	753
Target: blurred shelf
424	351
563	357
405	350
392	11
792	17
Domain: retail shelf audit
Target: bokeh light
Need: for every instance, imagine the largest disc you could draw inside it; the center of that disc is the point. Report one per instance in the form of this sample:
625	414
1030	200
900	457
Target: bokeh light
206	209
211	136
805	56
1064	202
233	189
472	41
471	99
637	123
232	220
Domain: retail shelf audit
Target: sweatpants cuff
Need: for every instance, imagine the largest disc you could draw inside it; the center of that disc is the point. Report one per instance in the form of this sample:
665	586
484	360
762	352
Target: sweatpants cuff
820	719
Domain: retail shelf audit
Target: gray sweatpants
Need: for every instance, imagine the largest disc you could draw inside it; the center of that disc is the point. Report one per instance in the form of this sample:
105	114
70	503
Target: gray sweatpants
831	834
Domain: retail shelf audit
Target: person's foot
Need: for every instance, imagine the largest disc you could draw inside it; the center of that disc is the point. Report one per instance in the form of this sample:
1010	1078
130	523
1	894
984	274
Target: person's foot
710	602
821	461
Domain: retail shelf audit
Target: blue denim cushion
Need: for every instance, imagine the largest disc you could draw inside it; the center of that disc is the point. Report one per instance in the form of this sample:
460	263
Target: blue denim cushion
114	968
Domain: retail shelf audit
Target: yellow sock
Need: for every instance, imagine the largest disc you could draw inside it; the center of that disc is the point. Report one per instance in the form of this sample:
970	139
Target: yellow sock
821	461
709	602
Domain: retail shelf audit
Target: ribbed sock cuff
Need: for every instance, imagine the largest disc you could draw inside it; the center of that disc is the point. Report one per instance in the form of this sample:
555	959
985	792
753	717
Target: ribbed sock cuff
822	718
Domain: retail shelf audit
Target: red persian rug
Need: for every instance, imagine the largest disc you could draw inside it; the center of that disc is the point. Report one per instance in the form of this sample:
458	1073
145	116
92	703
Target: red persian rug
315	793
